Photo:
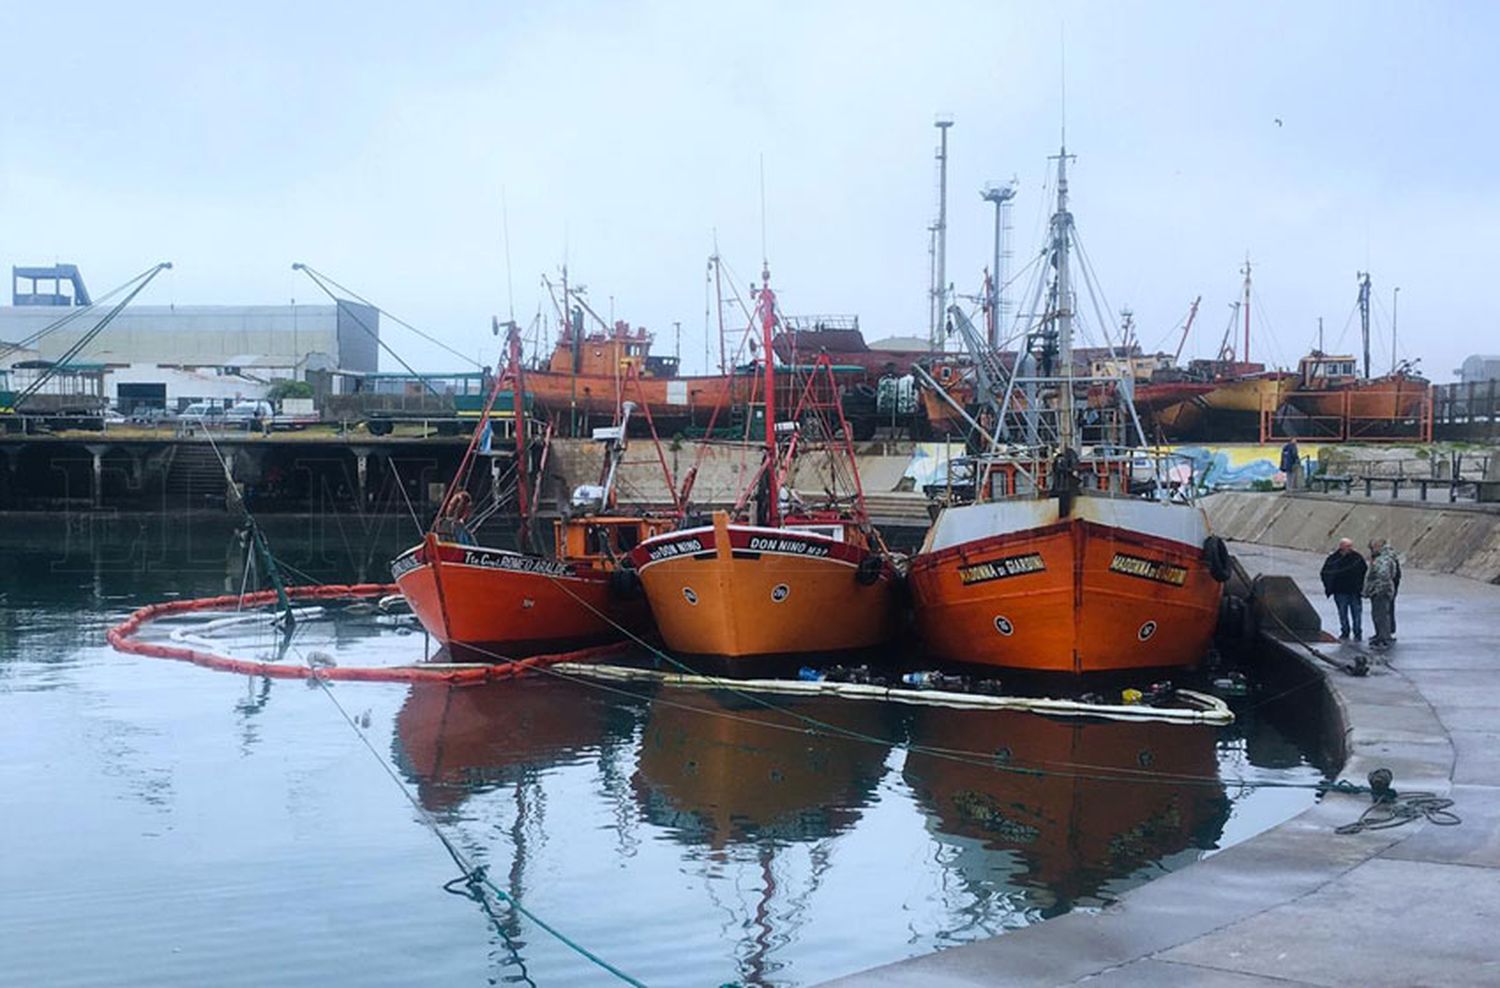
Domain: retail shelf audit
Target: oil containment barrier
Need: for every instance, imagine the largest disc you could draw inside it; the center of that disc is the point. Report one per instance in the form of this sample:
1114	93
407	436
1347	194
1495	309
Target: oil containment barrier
188	648
1197	708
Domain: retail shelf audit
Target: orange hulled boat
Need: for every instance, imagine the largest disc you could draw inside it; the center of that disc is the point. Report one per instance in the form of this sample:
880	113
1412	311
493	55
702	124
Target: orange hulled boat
799	579
502	602
1334	402
593	363
1058	564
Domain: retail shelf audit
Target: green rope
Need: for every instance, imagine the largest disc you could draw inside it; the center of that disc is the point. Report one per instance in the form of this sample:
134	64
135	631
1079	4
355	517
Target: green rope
472	874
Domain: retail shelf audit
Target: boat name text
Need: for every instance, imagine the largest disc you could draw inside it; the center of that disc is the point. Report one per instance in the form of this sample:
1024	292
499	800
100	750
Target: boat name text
1148	569
682	547
519	564
791	547
999	569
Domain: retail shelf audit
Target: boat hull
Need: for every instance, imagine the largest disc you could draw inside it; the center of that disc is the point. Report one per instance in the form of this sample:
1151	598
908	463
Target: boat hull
494	603
739	591
1228	411
671	399
1110	587
1394	397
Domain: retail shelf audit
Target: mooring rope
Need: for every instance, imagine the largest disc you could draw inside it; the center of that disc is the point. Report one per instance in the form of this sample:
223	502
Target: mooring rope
1391	808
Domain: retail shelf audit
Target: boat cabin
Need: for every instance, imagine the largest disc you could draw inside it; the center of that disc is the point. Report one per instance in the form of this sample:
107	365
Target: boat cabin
1321	370
610	354
600	540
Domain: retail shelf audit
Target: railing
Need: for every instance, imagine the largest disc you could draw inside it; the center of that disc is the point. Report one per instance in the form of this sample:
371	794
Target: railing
1470	410
1333	416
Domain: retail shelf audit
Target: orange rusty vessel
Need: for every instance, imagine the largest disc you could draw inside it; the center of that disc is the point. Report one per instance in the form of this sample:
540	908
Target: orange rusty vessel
1081	583
592	370
803	580
500	602
1057	565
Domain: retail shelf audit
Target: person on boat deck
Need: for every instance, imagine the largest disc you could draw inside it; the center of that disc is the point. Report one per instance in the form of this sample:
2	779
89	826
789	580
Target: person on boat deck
1344	580
451	524
1291	465
1380	587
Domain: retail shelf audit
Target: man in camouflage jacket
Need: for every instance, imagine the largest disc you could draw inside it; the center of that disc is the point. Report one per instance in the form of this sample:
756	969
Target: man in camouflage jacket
1380	587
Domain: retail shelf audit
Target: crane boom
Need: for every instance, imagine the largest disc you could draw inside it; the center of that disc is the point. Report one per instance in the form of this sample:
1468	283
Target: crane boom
988	371
1187	328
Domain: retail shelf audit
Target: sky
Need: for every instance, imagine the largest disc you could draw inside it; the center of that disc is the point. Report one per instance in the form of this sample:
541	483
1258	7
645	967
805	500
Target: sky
441	159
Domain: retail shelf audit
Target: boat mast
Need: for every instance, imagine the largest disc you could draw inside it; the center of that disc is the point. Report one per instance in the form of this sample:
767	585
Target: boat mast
518	427
1062	232
1246	269
767	303
1364	315
940	241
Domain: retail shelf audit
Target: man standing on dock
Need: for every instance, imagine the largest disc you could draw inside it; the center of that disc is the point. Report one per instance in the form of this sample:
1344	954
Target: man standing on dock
1344	580
1291	465
1380	587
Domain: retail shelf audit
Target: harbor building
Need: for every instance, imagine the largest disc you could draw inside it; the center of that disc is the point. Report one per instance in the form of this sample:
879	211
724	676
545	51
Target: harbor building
167	354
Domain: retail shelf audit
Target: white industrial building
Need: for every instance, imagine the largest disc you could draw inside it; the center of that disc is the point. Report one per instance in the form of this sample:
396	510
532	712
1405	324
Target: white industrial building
168	355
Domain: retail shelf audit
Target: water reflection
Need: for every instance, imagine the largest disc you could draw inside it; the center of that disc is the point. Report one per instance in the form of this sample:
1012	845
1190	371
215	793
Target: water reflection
1067	833
456	742
774	854
715	769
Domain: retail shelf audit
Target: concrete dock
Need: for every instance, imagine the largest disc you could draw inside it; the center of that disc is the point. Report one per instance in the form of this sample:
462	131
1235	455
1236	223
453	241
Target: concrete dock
1299	904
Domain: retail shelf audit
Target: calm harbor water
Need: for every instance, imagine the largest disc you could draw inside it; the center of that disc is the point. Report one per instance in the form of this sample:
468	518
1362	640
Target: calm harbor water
168	825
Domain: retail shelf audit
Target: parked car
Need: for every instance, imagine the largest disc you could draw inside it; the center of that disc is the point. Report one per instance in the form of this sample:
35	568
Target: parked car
150	415
202	413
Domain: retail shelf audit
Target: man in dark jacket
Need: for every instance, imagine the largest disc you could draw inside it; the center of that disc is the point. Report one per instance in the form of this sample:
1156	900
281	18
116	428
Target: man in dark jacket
1344	580
1291	465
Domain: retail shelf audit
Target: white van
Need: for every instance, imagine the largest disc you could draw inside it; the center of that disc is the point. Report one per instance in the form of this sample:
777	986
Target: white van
244	413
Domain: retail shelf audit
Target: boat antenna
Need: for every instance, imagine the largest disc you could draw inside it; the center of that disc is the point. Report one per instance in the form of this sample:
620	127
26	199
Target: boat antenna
764	253
510	288
1246	357
1395	310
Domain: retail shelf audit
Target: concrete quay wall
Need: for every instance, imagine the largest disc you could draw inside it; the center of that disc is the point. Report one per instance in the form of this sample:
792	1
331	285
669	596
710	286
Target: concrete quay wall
1464	541
1300	904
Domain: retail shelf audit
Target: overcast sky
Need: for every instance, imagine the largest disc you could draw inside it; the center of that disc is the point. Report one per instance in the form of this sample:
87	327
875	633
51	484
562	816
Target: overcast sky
377	144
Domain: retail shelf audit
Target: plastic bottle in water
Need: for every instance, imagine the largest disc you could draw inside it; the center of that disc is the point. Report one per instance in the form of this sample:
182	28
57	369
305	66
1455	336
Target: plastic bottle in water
917	679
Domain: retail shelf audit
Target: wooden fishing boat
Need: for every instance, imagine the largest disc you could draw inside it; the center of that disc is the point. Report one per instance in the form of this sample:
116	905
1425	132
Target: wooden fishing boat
1082	584
1226	410
1332	399
798	580
585	379
502	602
1058	564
